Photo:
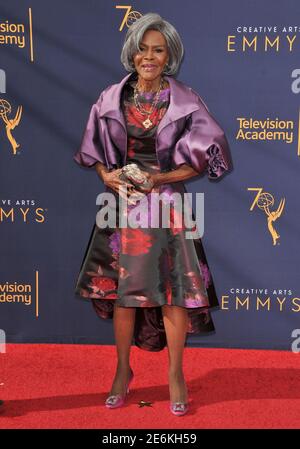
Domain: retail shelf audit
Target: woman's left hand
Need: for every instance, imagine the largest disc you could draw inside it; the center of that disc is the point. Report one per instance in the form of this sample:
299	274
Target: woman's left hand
151	181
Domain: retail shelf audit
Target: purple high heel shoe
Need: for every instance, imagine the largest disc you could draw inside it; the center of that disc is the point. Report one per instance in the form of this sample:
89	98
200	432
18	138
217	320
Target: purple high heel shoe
179	408
117	400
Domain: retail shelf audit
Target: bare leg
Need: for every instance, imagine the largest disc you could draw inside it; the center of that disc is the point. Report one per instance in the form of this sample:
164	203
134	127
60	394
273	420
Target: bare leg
176	322
124	318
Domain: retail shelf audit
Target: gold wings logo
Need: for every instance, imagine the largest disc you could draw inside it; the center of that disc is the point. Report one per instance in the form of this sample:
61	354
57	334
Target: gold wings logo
264	201
10	123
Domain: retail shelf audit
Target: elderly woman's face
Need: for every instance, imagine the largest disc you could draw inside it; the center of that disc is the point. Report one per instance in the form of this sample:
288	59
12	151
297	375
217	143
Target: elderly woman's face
153	55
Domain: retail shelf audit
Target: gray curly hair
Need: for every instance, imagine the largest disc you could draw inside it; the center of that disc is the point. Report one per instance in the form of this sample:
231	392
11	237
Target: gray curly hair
135	33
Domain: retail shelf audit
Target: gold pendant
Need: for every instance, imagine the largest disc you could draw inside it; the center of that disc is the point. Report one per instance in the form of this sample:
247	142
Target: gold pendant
147	123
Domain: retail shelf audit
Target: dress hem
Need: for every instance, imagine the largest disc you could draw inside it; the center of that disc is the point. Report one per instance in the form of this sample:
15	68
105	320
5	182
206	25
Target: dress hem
152	306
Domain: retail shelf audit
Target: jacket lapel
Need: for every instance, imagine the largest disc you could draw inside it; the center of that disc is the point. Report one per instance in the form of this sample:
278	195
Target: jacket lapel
183	101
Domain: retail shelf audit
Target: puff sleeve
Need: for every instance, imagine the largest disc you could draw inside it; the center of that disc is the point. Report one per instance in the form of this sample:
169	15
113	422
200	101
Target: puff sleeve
91	149
203	144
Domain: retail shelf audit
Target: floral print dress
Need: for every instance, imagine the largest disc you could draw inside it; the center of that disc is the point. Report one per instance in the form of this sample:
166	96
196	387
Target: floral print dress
148	267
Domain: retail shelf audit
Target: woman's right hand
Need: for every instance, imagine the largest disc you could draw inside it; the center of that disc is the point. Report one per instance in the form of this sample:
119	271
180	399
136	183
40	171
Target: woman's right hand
112	180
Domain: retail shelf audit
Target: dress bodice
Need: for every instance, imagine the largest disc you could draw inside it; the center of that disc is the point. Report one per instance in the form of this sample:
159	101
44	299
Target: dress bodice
141	141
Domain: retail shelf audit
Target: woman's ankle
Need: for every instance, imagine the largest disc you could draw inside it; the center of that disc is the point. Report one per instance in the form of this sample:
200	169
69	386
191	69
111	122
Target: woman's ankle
176	373
123	368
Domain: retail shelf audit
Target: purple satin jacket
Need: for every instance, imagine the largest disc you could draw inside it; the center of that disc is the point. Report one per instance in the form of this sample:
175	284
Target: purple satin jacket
187	133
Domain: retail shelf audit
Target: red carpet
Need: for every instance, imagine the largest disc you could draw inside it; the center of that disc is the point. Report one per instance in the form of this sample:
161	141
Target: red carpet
64	386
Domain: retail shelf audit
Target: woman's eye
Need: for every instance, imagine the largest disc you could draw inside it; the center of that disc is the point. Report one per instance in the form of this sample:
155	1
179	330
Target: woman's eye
159	50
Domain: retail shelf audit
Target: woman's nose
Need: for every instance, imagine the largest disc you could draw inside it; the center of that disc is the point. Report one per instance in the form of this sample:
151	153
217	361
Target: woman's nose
149	54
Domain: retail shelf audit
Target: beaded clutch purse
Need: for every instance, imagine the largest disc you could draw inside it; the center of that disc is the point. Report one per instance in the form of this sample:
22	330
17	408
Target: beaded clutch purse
131	172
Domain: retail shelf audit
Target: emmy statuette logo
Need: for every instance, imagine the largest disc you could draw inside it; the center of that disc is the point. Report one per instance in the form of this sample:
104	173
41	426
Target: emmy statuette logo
10	123
264	201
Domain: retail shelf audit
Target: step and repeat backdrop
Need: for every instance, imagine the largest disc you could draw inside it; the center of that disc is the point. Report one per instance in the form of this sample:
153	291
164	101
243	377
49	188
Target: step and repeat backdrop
242	57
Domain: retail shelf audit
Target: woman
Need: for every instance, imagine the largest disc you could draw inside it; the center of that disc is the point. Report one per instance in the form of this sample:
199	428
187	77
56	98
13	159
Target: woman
153	282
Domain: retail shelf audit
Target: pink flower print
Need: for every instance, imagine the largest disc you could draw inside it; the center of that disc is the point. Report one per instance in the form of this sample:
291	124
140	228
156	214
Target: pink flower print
123	273
206	274
115	242
115	264
101	285
135	242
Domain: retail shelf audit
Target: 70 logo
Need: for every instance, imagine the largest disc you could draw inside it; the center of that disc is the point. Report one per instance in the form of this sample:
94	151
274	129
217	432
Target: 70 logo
129	17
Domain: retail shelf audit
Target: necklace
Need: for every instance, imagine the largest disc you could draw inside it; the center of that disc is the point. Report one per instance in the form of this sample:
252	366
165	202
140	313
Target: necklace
147	123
